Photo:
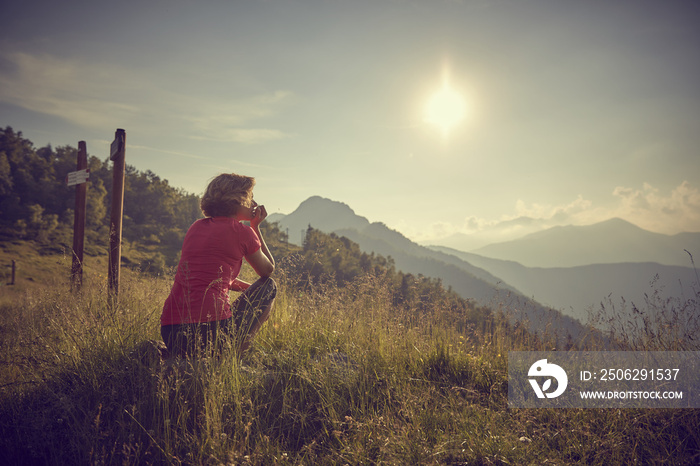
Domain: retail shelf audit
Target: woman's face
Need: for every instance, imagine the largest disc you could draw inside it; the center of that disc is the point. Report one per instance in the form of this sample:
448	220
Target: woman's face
247	213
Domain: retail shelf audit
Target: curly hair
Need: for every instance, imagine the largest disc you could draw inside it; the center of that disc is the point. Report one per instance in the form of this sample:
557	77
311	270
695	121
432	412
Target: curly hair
225	193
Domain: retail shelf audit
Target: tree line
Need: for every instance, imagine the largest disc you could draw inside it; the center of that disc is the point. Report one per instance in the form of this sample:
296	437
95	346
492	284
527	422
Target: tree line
329	260
36	203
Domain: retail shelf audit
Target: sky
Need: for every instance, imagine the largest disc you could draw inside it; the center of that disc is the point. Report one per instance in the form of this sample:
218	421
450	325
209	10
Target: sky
572	112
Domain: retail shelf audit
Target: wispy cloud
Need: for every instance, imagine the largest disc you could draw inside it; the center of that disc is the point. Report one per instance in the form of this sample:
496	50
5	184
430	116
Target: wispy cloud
242	135
650	208
99	95
554	213
170	152
227	121
80	93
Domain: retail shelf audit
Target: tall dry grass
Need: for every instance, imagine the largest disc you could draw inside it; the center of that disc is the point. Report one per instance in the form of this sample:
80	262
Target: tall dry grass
659	323
336	376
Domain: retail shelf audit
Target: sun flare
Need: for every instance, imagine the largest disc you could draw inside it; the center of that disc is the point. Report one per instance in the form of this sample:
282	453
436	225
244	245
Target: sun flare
445	109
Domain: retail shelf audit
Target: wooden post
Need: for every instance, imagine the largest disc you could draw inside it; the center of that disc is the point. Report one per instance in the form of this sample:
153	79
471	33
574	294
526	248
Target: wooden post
79	221
117	155
14	266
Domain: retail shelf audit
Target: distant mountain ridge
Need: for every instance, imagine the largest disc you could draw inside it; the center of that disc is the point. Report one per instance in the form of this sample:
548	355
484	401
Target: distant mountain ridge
468	281
608	242
502	231
577	290
572	290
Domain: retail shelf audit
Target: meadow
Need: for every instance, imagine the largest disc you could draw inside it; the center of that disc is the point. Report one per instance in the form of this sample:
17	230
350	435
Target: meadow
338	375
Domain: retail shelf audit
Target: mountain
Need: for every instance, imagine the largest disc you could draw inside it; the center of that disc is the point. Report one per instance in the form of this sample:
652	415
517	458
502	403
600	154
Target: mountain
499	232
468	281
576	290
612	241
321	213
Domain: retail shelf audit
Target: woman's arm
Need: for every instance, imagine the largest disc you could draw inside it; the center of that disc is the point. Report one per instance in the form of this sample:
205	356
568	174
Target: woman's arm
239	285
261	260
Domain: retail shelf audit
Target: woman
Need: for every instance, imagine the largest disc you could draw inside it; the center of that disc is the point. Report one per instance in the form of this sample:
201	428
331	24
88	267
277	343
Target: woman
197	314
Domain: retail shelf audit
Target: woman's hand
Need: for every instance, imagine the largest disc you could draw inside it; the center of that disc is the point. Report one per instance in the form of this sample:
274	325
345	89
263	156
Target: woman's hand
259	214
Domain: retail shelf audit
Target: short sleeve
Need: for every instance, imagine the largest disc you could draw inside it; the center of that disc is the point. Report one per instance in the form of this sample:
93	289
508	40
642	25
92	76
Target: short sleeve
251	242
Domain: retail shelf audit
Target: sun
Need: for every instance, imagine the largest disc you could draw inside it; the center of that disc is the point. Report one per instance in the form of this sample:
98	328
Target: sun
445	109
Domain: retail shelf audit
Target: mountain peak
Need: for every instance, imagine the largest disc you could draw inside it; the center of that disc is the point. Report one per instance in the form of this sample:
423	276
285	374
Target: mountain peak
613	226
609	241
323	214
616	222
315	202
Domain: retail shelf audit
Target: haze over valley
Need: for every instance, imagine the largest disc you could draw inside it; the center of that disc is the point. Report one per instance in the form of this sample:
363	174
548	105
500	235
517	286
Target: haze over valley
570	269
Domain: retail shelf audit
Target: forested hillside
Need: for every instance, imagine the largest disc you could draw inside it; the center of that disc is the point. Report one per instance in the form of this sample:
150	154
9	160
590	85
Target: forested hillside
36	203
329	259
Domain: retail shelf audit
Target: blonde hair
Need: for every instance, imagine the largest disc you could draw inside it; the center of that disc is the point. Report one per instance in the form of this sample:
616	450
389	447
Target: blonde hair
226	193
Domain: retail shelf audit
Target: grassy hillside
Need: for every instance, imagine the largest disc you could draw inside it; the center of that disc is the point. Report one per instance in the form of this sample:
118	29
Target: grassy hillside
339	375
38	267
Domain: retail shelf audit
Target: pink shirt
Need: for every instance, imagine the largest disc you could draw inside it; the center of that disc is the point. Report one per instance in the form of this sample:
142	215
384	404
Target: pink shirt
212	255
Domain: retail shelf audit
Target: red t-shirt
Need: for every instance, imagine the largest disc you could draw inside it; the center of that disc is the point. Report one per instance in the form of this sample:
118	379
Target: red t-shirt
212	255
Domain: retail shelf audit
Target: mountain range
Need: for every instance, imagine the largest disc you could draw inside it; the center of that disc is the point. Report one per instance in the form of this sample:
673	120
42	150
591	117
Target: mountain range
578	290
609	242
576	268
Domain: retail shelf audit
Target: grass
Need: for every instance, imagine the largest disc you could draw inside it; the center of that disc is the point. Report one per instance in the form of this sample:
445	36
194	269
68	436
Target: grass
337	376
659	323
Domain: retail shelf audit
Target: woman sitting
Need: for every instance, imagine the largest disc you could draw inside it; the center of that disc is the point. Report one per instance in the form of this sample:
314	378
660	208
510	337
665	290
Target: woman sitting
198	314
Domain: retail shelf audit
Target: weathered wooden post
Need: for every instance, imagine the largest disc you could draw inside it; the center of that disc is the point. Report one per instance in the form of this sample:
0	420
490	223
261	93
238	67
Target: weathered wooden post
79	179
117	155
14	266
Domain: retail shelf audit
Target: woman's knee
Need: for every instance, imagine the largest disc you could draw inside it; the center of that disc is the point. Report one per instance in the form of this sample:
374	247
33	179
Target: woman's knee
265	289
271	285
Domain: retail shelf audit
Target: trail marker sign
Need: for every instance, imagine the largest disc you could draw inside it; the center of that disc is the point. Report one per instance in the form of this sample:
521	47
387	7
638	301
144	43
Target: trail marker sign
117	145
78	177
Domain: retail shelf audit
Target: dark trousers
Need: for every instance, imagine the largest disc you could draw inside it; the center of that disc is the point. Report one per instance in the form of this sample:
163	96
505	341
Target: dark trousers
248	309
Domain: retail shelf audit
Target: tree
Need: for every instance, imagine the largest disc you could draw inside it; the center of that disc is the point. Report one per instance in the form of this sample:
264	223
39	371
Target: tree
36	203
5	176
19	162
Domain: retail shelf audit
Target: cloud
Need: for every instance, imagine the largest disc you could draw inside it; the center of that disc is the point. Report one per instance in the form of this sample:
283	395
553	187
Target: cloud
474	232
163	151
243	135
225	120
99	95
555	213
650	209
80	93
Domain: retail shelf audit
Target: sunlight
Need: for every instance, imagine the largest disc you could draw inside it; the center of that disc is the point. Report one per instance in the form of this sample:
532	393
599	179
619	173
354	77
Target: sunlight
445	109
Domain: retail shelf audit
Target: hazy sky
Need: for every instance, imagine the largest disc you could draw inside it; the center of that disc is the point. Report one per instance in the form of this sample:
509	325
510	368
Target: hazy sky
576	111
